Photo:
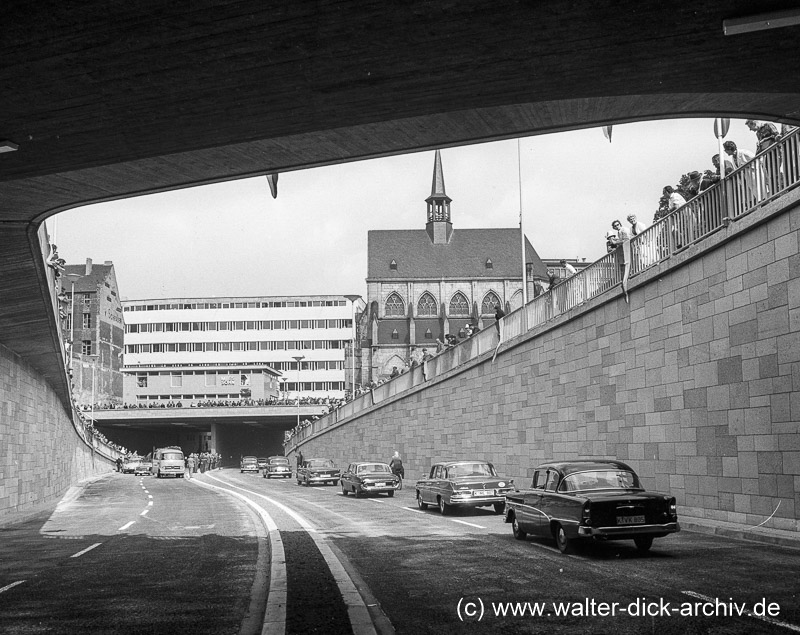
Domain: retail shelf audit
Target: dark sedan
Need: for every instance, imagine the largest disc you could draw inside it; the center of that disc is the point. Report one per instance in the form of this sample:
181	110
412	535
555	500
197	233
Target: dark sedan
590	500
369	477
472	483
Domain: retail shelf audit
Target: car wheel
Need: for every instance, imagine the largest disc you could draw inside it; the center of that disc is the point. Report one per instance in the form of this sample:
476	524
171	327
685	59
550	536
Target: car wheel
420	504
563	542
444	508
158	474
499	508
357	492
390	494
518	533
344	490
643	543
299	482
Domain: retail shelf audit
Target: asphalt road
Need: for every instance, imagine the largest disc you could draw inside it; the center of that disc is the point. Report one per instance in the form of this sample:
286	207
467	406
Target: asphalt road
232	553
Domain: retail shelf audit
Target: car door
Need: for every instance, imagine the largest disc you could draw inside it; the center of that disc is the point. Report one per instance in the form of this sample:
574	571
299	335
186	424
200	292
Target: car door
426	493
548	502
528	513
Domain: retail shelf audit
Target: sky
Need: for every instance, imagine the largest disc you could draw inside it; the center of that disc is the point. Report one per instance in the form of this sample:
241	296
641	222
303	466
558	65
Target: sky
234	239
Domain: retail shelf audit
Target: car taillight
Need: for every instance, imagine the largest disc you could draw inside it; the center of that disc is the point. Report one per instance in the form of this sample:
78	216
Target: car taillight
586	513
673	508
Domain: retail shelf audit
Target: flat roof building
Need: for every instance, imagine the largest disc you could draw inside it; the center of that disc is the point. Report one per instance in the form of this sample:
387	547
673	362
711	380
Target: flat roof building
195	349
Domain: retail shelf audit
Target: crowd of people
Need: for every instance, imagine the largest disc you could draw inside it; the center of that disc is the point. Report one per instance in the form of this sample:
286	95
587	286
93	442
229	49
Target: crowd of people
215	403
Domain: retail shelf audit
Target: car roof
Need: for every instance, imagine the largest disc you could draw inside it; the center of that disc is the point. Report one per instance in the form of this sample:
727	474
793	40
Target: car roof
369	463
462	462
580	465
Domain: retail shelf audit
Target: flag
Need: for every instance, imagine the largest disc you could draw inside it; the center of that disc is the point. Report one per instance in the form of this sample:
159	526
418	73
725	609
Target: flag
607	132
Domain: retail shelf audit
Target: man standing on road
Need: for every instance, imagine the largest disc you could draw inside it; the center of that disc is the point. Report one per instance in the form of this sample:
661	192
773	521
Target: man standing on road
190	466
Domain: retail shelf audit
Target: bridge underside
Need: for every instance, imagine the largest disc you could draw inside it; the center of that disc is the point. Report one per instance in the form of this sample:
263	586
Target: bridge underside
112	101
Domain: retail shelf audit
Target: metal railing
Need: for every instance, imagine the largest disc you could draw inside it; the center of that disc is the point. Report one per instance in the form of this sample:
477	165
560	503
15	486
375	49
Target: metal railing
770	174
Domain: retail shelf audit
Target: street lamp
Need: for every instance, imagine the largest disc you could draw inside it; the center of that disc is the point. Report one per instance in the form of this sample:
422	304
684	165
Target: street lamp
73	278
298	359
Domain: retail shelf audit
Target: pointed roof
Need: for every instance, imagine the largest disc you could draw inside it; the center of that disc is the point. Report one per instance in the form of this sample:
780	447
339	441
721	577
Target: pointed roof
437	187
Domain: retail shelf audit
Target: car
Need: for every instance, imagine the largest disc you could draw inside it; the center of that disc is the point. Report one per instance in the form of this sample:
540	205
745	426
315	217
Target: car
278	466
143	468
313	471
130	464
249	464
464	483
168	461
262	462
587	500
369	477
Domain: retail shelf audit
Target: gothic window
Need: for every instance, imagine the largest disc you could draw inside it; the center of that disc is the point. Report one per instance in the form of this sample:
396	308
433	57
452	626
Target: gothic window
395	306
428	334
395	334
489	264
516	301
426	307
459	306
393	265
490	301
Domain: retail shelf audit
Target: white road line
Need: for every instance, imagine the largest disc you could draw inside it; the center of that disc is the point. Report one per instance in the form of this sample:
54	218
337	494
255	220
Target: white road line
150	503
275	614
464	522
144	513
149	496
126	525
763	618
411	509
80	553
357	609
11	586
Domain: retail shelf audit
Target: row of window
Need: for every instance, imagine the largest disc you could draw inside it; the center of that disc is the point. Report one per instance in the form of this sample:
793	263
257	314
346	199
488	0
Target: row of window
239	325
211	374
215	347
428	307
304	386
235	305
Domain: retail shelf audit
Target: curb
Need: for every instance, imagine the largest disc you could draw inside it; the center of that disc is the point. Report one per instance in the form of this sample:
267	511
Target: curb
777	537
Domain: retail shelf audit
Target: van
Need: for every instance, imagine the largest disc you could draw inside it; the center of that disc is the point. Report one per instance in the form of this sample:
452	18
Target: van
168	462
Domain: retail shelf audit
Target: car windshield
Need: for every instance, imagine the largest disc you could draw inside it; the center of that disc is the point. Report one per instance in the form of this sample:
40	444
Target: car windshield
172	456
471	469
320	463
599	479
279	461
372	467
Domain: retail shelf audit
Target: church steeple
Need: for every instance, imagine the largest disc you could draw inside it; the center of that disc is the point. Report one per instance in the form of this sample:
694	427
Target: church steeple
439	227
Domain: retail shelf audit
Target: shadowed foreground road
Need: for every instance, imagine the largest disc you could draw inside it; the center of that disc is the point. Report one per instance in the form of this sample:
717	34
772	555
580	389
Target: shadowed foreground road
175	556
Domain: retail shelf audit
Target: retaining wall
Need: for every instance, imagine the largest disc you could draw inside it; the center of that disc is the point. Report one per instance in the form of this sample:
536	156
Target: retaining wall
693	382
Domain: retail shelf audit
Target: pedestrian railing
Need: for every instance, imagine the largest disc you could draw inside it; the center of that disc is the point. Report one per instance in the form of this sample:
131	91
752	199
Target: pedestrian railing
770	174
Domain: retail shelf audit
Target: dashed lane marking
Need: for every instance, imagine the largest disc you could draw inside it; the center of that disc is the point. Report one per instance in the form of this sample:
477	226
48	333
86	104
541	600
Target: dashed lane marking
80	553
10	586
464	522
144	513
126	525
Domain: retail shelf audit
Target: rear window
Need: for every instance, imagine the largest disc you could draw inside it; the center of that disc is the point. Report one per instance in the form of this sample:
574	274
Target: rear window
320	463
279	461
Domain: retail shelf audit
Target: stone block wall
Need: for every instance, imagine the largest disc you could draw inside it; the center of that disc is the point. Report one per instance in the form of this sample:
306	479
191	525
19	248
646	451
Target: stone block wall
694	382
41	454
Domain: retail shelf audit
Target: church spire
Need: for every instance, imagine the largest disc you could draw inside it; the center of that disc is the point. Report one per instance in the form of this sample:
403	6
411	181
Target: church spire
439	227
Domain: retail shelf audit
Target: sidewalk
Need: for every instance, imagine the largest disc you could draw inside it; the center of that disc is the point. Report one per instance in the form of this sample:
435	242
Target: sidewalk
764	535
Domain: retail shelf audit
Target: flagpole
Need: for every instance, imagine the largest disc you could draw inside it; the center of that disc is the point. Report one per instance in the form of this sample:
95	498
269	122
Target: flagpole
521	231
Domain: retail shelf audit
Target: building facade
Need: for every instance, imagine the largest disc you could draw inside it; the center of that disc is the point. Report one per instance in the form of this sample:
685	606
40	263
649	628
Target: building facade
95	331
197	349
425	284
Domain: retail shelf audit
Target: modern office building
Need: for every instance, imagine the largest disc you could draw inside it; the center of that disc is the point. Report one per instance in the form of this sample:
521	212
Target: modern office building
94	323
195	349
423	284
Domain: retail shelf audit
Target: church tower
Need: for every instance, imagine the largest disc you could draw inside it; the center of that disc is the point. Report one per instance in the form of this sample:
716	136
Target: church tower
438	227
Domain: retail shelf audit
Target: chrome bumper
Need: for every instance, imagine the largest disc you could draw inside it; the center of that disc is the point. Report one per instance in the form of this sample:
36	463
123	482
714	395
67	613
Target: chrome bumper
630	530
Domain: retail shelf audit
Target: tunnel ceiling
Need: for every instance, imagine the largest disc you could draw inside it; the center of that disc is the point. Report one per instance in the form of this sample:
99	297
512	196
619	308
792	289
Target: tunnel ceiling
112	99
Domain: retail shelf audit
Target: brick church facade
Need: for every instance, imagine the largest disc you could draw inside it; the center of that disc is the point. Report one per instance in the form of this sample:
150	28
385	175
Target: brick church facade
423	284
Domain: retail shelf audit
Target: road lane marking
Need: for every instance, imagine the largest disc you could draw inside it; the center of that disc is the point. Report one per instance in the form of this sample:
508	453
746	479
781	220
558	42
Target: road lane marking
10	586
412	509
357	610
149	496
150	503
464	522
126	525
144	513
763	618
80	553
275	613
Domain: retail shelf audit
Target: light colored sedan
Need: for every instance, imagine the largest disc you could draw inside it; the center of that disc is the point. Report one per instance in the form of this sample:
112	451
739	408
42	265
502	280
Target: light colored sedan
368	477
463	484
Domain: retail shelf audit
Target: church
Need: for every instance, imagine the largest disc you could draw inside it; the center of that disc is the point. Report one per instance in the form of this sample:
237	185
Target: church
425	284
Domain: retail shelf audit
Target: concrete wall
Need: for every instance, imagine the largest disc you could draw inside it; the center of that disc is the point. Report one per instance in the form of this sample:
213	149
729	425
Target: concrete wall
41	454
694	383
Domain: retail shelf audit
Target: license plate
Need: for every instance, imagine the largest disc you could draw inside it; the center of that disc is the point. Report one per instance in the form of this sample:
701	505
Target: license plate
630	520
483	492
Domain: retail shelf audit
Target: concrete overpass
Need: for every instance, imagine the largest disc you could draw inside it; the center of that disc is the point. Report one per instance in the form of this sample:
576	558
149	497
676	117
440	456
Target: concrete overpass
102	103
